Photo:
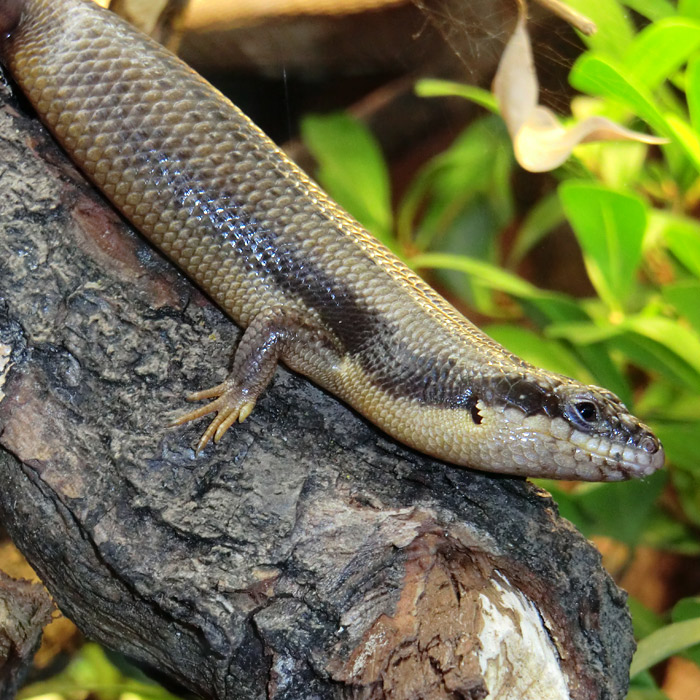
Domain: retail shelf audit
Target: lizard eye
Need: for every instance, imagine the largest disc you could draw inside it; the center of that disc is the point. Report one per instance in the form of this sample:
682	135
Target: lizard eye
586	411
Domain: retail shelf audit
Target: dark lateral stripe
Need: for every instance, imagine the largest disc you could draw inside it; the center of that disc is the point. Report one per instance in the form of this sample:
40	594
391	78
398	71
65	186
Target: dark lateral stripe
390	363
279	260
522	392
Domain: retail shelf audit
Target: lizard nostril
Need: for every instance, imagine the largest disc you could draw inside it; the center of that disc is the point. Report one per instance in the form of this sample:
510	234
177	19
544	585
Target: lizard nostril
649	444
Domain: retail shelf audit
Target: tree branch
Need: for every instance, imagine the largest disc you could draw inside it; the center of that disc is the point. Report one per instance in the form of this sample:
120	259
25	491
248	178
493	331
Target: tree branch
307	555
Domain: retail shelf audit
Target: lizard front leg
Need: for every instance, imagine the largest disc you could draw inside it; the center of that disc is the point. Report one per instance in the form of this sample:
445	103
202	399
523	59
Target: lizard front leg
272	335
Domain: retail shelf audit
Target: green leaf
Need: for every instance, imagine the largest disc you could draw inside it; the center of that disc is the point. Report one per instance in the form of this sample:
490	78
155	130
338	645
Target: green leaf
610	227
478	218
680	442
600	76
596	357
692	92
645	621
621	510
665	642
584	332
636	693
652	9
685	297
538	351
686	482
541	219
682	236
615	29
654	357
682	341
618	163
477	163
490	275
664	531
684	135
431	87
689	8
352	169
661	49
665	402
688	609
91	673
92	667
544	310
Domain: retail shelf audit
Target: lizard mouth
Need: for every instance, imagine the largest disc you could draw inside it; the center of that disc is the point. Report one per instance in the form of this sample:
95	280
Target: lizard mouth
554	448
636	458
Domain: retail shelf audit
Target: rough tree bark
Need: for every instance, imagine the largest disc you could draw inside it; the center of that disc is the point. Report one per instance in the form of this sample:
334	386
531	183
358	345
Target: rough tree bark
25	609
305	556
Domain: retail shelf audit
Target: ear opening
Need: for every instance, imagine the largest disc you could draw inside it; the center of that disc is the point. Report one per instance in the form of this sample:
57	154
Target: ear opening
476	415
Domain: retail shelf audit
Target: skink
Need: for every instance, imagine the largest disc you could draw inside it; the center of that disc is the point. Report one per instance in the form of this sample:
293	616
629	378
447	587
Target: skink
310	286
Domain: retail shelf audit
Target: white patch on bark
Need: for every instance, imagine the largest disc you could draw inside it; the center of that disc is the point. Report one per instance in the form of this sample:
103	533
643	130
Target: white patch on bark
517	658
5	365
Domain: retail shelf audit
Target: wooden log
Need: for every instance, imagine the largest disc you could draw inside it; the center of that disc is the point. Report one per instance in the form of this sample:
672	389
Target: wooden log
25	609
305	556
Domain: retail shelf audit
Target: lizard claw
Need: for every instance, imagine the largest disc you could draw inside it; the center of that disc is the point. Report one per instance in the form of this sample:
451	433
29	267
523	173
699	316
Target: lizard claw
230	404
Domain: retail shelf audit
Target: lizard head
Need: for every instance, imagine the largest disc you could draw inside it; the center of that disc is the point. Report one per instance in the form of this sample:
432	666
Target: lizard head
559	428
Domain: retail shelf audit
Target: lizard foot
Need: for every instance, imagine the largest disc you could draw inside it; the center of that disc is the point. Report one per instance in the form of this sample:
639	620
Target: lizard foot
230	404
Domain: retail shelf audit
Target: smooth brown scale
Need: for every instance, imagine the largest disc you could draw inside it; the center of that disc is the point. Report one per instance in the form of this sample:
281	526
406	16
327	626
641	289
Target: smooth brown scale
200	181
